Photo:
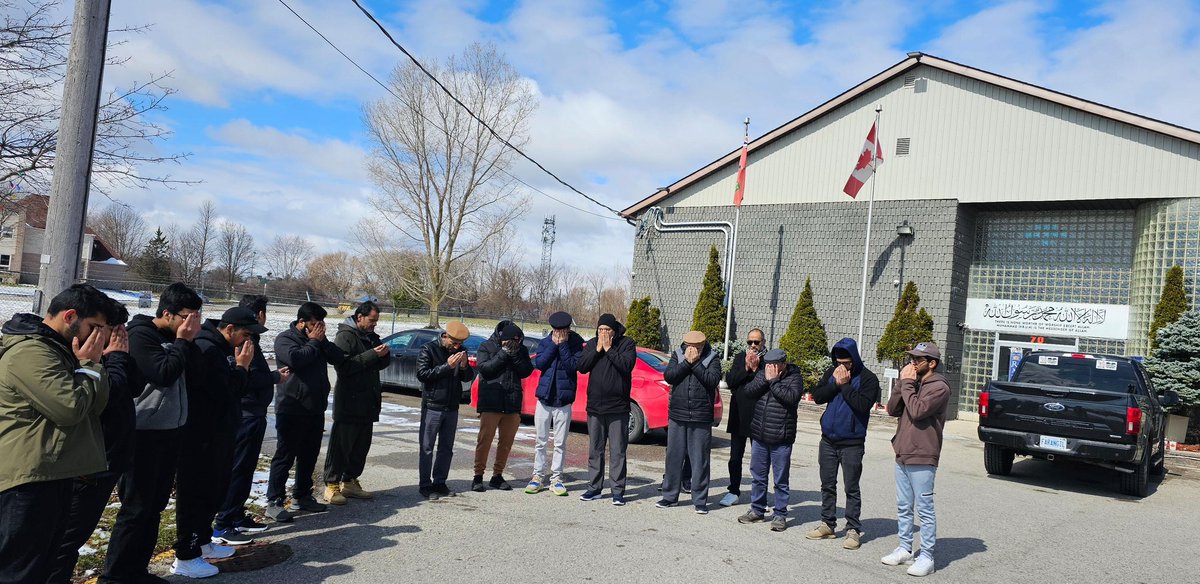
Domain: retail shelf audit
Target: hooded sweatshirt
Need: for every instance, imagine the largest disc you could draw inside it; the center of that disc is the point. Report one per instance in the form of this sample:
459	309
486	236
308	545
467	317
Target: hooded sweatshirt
215	390
693	385
921	406
611	371
50	404
844	422
500	374
158	379
260	384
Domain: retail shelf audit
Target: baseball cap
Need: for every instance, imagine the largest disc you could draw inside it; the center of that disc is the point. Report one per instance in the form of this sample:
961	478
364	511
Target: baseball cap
926	349
243	317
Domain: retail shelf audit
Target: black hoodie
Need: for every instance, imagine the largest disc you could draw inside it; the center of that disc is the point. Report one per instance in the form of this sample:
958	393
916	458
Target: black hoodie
260	384
215	390
611	371
160	367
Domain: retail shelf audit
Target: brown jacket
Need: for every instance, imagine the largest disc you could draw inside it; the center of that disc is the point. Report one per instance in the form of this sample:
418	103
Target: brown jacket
922	413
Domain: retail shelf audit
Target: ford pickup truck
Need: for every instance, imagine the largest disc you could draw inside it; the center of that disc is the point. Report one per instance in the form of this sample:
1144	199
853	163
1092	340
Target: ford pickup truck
1098	409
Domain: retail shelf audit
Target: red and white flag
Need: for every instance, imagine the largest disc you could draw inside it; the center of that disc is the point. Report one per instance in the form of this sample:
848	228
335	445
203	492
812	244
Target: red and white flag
866	165
740	190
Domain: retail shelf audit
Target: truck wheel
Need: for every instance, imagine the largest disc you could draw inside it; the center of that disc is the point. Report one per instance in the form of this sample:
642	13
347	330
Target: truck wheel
1137	483
637	423
1160	467
997	460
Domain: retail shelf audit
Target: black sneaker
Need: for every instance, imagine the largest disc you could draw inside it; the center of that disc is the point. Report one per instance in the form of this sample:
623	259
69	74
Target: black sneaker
663	504
589	496
498	482
248	525
701	509
429	493
307	504
277	513
477	484
230	536
443	490
687	487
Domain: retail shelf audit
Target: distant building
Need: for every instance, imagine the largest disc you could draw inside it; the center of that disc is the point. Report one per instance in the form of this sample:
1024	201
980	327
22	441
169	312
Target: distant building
22	244
1029	219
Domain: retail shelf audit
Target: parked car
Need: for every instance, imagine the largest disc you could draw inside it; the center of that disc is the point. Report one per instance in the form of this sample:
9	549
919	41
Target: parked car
650	394
1098	409
401	372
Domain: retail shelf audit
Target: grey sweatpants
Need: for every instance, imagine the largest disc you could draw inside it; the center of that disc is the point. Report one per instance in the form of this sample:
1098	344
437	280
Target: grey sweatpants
613	430
694	440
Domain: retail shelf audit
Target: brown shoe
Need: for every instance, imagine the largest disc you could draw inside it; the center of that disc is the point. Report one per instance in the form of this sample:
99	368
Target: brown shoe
333	494
821	532
354	490
853	539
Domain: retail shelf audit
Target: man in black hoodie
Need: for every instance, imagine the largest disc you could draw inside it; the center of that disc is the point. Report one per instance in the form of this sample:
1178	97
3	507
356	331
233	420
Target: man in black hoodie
850	390
694	373
90	493
609	357
741	409
442	367
776	390
300	405
162	350
260	391
206	452
357	399
502	362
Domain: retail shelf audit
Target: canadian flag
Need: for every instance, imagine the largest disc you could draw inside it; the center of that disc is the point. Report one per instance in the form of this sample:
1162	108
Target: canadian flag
866	165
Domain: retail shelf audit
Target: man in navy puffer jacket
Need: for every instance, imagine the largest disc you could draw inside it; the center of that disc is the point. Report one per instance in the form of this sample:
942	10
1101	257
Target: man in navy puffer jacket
850	390
557	359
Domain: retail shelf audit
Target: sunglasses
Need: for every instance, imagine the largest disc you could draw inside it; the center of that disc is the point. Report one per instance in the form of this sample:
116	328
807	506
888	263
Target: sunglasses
754	342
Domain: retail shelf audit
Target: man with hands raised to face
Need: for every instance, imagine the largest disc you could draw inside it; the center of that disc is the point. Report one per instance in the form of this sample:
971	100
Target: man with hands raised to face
850	390
442	368
609	357
694	373
741	409
215	390
776	389
502	362
558	360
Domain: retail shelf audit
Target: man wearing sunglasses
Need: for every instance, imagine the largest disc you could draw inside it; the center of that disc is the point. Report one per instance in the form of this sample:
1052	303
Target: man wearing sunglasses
920	404
849	391
741	409
442	367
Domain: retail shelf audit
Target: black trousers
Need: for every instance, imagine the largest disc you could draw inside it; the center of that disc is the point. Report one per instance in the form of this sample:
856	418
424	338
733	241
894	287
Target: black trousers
246	447
89	497
737	453
144	490
349	444
205	460
297	441
849	458
34	519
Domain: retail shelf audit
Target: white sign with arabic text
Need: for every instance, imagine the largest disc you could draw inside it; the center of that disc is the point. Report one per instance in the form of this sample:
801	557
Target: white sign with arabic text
1097	321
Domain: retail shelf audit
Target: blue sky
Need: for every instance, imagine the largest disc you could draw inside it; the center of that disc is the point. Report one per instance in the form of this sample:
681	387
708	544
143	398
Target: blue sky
633	95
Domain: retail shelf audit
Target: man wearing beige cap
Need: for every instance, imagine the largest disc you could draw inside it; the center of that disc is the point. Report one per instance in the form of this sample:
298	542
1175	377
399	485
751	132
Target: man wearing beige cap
442	367
694	373
920	404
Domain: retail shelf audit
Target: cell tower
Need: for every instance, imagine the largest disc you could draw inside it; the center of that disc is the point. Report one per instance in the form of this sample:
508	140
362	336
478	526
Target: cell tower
547	247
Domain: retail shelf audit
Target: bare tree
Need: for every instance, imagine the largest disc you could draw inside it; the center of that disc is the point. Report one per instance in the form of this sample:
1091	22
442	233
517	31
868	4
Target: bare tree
122	228
235	253
596	281
34	42
334	274
440	173
193	252
287	256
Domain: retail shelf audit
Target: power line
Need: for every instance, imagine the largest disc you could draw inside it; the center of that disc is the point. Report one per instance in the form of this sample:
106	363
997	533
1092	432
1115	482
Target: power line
461	143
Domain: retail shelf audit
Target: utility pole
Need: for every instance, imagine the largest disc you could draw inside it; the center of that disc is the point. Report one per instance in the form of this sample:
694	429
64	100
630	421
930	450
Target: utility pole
73	155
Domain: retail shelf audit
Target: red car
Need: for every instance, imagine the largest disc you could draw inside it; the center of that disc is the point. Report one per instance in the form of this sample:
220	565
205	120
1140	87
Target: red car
649	392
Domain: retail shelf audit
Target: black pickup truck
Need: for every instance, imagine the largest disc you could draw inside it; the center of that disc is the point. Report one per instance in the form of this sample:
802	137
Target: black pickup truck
1098	409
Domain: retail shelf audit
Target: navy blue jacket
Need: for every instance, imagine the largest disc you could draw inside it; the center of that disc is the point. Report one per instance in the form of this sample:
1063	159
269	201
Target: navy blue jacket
559	367
845	419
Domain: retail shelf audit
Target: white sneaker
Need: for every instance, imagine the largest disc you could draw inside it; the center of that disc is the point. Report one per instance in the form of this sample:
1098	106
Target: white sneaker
922	567
729	500
897	557
215	551
193	568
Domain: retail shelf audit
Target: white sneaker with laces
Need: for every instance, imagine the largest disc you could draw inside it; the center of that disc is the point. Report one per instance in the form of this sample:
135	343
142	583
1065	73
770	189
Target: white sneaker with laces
193	568
922	567
897	557
729	500
215	551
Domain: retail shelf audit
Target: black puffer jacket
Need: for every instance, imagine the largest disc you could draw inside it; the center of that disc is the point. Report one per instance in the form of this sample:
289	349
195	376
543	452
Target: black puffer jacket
306	392
500	374
693	386
611	379
775	409
441	385
741	407
260	385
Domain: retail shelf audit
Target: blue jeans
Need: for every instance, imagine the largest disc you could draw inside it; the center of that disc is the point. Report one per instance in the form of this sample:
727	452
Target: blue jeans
770	457
437	436
914	483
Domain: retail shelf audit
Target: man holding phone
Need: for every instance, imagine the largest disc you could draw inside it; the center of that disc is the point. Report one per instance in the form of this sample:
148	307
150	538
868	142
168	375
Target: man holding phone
442	368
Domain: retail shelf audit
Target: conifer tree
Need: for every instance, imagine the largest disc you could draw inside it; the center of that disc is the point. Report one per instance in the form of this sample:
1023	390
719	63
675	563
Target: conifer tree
805	340
1175	363
709	315
644	324
909	326
155	262
1172	303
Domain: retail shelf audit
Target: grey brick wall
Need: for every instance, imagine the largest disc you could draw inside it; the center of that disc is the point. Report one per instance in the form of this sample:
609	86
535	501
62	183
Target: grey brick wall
780	245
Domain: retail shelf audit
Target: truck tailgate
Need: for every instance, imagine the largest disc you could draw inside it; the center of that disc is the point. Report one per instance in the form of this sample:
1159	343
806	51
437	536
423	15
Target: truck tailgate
1057	411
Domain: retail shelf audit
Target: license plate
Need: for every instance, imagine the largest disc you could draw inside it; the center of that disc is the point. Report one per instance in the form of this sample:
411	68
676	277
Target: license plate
1053	443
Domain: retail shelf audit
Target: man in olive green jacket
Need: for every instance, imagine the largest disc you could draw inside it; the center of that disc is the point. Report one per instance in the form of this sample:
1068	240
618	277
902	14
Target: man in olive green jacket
52	390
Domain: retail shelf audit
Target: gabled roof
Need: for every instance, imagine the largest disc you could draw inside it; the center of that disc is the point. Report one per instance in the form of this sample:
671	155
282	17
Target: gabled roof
36	207
913	60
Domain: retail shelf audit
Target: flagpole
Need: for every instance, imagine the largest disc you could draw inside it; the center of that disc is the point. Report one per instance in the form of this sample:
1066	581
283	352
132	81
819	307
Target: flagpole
737	216
862	301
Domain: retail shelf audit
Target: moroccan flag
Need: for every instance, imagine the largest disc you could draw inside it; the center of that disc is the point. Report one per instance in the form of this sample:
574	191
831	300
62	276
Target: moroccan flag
865	167
740	191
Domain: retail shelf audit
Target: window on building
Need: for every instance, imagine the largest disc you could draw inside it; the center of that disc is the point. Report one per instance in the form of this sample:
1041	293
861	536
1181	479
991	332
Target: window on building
5	261
6	232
